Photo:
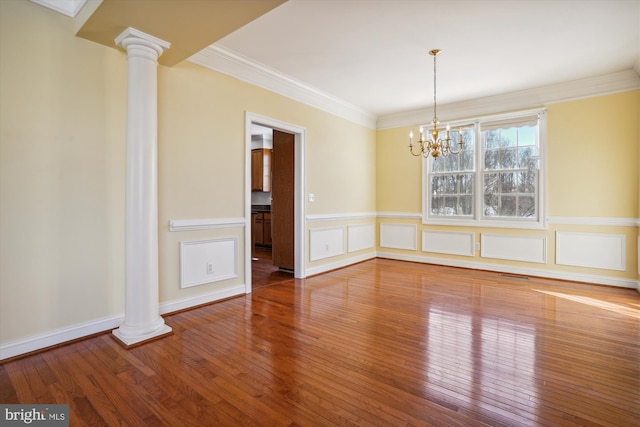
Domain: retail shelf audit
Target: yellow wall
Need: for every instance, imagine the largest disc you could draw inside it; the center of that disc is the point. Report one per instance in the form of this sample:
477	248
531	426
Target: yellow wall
62	125
593	157
62	166
201	148
399	174
593	167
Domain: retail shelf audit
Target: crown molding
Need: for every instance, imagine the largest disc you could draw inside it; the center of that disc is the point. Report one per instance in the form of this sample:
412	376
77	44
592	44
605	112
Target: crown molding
233	64
66	7
236	65
529	98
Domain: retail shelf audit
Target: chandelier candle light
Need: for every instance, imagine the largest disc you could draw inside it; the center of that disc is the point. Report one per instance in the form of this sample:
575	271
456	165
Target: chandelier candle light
435	146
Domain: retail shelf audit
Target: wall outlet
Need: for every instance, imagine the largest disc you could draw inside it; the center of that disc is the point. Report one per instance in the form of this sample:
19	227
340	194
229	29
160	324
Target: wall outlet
209	268
477	246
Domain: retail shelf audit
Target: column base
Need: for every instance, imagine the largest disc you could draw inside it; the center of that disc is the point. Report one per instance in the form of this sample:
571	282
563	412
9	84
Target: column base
133	341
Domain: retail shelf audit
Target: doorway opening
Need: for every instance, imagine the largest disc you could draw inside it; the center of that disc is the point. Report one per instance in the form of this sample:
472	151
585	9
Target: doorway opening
274	214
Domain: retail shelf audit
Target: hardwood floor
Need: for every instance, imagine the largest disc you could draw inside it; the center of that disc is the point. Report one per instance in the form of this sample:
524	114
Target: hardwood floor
383	342
264	273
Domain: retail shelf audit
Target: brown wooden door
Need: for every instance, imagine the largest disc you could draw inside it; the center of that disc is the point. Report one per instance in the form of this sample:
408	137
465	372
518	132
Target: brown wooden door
282	203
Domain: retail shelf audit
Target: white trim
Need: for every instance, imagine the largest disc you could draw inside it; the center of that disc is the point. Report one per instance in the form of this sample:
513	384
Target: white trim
400	215
83	330
189	302
341	217
449	242
598	221
205	224
59	336
487	223
324	244
593	86
514	248
478	219
132	33
69	8
361	236
312	271
389	239
557	220
591	250
299	190
216	259
551	274
226	61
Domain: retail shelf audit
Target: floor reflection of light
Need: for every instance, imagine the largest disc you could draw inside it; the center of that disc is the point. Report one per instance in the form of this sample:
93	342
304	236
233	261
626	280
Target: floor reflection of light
476	360
616	308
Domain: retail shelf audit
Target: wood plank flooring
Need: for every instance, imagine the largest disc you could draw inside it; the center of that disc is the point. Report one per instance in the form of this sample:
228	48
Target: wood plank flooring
264	273
380	343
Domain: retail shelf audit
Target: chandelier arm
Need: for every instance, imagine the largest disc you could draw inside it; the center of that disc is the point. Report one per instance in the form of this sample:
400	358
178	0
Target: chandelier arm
420	149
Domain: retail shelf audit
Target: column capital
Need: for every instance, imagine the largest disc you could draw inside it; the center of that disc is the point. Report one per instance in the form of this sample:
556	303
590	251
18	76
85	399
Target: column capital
131	36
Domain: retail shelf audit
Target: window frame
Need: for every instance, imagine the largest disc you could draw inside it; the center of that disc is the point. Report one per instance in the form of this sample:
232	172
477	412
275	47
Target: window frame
477	219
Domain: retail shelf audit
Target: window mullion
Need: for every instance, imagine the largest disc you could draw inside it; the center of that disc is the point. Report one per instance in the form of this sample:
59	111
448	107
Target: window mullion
478	196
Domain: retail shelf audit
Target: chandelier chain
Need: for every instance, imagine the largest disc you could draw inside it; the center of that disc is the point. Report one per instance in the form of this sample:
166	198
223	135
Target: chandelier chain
435	105
437	145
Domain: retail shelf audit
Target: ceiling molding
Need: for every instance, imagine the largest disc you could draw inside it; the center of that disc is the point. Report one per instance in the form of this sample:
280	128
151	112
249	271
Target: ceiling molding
233	64
69	8
529	98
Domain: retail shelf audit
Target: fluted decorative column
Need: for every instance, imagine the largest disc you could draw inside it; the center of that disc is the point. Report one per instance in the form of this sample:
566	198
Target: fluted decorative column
142	320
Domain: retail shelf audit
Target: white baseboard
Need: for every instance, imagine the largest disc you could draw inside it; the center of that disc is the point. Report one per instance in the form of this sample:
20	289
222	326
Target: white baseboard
60	336
561	275
312	271
183	303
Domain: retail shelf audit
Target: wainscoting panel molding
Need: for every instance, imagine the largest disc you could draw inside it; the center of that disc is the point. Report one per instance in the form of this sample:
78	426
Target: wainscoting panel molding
359	237
326	243
398	236
448	242
595	250
207	261
514	248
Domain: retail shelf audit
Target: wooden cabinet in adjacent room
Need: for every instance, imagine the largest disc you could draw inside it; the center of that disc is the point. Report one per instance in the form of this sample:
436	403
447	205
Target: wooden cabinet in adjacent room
261	169
262	228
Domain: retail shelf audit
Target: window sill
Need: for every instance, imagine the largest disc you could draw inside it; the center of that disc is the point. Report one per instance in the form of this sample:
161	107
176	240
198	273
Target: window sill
486	223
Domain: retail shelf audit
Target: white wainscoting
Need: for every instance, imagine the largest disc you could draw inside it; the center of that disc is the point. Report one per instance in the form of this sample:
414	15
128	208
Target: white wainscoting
595	250
514	248
530	271
326	243
360	237
448	242
207	261
398	236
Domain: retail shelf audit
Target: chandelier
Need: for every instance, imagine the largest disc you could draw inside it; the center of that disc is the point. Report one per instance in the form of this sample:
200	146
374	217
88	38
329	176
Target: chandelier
435	146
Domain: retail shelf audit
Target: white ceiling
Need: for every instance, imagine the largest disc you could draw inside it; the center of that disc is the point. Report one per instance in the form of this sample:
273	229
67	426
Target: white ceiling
367	60
373	54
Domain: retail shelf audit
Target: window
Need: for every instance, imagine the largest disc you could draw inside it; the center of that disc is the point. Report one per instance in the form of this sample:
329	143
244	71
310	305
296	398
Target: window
496	180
